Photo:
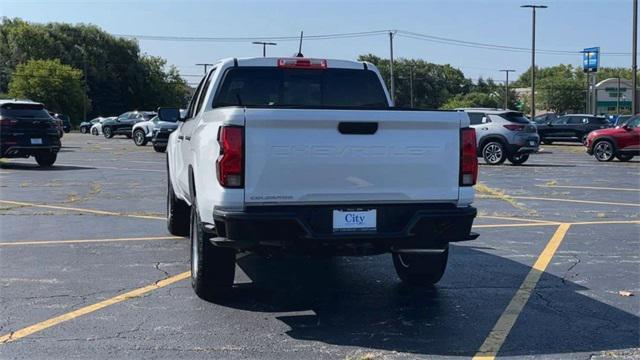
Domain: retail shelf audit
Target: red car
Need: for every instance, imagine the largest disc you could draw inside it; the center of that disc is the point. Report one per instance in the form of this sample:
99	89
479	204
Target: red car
622	142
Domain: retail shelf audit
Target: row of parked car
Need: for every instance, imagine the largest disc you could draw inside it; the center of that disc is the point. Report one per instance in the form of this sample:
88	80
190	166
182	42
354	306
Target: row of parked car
141	126
509	135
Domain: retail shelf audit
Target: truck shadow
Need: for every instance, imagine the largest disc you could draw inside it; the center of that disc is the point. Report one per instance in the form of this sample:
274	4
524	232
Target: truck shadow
359	302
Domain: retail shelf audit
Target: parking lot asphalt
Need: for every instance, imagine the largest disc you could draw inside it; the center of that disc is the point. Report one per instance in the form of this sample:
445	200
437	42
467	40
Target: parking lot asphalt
88	270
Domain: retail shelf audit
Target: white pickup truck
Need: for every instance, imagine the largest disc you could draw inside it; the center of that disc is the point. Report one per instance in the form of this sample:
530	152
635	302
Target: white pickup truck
309	156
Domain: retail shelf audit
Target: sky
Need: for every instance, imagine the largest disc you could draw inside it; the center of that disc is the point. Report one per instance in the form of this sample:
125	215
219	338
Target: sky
568	25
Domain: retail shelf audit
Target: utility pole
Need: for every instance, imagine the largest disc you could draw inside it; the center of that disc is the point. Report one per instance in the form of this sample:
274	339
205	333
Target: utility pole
393	87
618	98
506	89
533	55
206	66
264	46
634	60
411	84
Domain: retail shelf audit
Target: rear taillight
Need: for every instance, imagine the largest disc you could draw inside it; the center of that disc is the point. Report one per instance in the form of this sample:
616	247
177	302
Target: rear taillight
514	127
302	63
468	157
230	163
7	122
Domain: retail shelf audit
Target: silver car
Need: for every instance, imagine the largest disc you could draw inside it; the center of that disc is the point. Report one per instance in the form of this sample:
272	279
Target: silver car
503	134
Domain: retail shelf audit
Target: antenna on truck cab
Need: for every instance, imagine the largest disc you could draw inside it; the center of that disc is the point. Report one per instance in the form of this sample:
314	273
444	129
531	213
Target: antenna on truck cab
299	54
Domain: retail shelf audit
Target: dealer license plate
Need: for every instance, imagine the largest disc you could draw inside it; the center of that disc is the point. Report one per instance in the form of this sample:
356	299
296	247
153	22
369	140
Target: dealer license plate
359	220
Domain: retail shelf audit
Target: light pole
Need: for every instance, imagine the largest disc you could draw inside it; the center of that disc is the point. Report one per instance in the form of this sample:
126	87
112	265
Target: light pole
392	81
206	66
506	89
634	60
533	55
411	85
264	46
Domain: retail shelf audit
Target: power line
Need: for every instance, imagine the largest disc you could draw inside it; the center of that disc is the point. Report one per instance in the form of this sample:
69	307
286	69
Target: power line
401	33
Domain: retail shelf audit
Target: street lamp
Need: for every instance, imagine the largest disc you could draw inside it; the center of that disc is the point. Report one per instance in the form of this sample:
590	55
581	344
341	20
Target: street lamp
506	88
533	55
264	46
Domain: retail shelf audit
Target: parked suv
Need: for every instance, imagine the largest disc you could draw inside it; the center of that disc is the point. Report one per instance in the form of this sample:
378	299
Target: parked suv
502	135
26	129
123	124
571	127
622	142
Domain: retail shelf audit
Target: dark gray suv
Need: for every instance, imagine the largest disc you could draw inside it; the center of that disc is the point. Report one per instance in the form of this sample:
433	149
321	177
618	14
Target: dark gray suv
503	134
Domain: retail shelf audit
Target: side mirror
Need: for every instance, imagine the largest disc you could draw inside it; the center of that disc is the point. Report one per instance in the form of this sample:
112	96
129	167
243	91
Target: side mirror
626	127
169	114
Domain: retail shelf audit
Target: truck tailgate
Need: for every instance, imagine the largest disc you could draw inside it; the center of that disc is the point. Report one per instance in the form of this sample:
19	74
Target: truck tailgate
301	156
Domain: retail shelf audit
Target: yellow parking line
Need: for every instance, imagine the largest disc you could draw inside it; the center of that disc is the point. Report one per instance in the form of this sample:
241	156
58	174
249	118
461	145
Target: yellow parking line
588	187
503	326
91	211
516	219
561	200
15	335
606	222
52	242
489	226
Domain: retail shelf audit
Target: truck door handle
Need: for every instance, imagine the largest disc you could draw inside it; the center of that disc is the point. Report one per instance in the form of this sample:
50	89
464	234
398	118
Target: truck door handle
188	138
358	128
180	137
484	129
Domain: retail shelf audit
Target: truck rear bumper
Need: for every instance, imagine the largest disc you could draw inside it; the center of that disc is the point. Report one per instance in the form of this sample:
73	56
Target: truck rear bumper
309	229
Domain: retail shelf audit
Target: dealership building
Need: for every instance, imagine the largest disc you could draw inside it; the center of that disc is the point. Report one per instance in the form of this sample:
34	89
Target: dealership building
607	96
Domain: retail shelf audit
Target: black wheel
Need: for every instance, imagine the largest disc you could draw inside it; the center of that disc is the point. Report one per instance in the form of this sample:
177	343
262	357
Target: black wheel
494	153
107	132
584	139
94	131
159	148
547	142
46	159
624	157
178	212
212	267
83	129
603	150
421	269
518	159
139	137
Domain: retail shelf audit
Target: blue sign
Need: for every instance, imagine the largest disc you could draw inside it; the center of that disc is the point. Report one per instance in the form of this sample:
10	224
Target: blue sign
590	59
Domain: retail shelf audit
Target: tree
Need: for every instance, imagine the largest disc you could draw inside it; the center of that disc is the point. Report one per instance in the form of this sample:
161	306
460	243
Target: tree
119	77
433	84
58	86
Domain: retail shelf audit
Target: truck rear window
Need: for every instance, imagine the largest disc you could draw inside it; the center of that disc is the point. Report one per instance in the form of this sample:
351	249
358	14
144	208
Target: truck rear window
18	111
281	87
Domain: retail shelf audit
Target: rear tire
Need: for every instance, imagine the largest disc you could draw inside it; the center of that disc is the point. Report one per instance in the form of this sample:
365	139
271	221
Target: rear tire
46	159
212	267
94	132
603	150
178	212
139	137
160	148
624	157
518	159
107	132
421	269
494	153
83	129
